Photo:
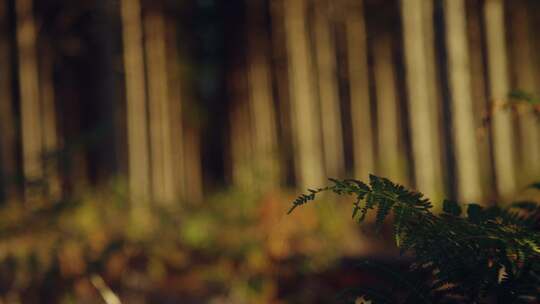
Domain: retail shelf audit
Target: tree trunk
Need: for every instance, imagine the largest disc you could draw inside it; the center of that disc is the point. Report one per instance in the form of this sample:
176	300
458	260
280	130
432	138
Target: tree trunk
499	88
31	120
176	111
357	55
465	145
192	152
8	141
391	160
328	90
281	82
163	190
525	79
478	81
49	128
137	123
261	98
305	117
423	114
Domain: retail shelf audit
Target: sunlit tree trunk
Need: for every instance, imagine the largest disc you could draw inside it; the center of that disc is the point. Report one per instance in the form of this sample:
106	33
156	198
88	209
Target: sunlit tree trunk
137	123
478	81
328	89
159	109
423	114
260	98
31	120
434	91
304	113
8	141
176	111
525	77
391	151
465	144
357	55
499	88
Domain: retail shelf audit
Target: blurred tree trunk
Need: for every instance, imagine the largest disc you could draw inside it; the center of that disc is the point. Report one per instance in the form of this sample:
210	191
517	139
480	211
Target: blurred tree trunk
362	128
176	111
280	79
391	160
434	89
31	120
137	123
8	141
242	154
465	146
480	102
193	169
328	89
499	88
163	190
305	115
423	114
525	77
49	128
261	97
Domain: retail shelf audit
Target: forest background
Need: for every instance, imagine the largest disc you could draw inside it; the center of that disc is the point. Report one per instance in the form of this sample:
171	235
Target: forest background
149	149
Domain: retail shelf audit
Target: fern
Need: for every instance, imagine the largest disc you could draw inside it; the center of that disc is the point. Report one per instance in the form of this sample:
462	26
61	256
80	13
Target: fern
461	255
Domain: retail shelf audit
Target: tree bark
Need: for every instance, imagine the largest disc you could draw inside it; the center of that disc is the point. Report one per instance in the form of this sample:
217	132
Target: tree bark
465	145
391	151
137	123
176	111
163	190
261	98
8	140
525	79
423	114
305	117
499	87
31	120
328	89
357	55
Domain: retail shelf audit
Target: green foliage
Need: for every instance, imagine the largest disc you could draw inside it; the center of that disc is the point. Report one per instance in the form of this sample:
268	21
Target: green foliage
472	256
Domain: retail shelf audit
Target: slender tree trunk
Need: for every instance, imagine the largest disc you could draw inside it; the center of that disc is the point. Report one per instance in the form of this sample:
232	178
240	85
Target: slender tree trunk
280	79
478	80
137	123
261	98
391	151
362	128
328	90
31	120
241	136
525	77
499	87
8	141
422	111
465	149
49	128
163	190
305	117
192	152
176	111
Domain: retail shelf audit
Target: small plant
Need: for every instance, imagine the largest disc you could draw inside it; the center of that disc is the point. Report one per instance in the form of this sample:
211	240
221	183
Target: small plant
474	256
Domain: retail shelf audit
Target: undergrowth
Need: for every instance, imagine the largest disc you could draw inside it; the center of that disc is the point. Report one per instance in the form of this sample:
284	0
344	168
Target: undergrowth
466	254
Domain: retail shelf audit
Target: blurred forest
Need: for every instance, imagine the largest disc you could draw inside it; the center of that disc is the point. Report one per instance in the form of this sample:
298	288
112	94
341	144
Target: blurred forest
149	149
